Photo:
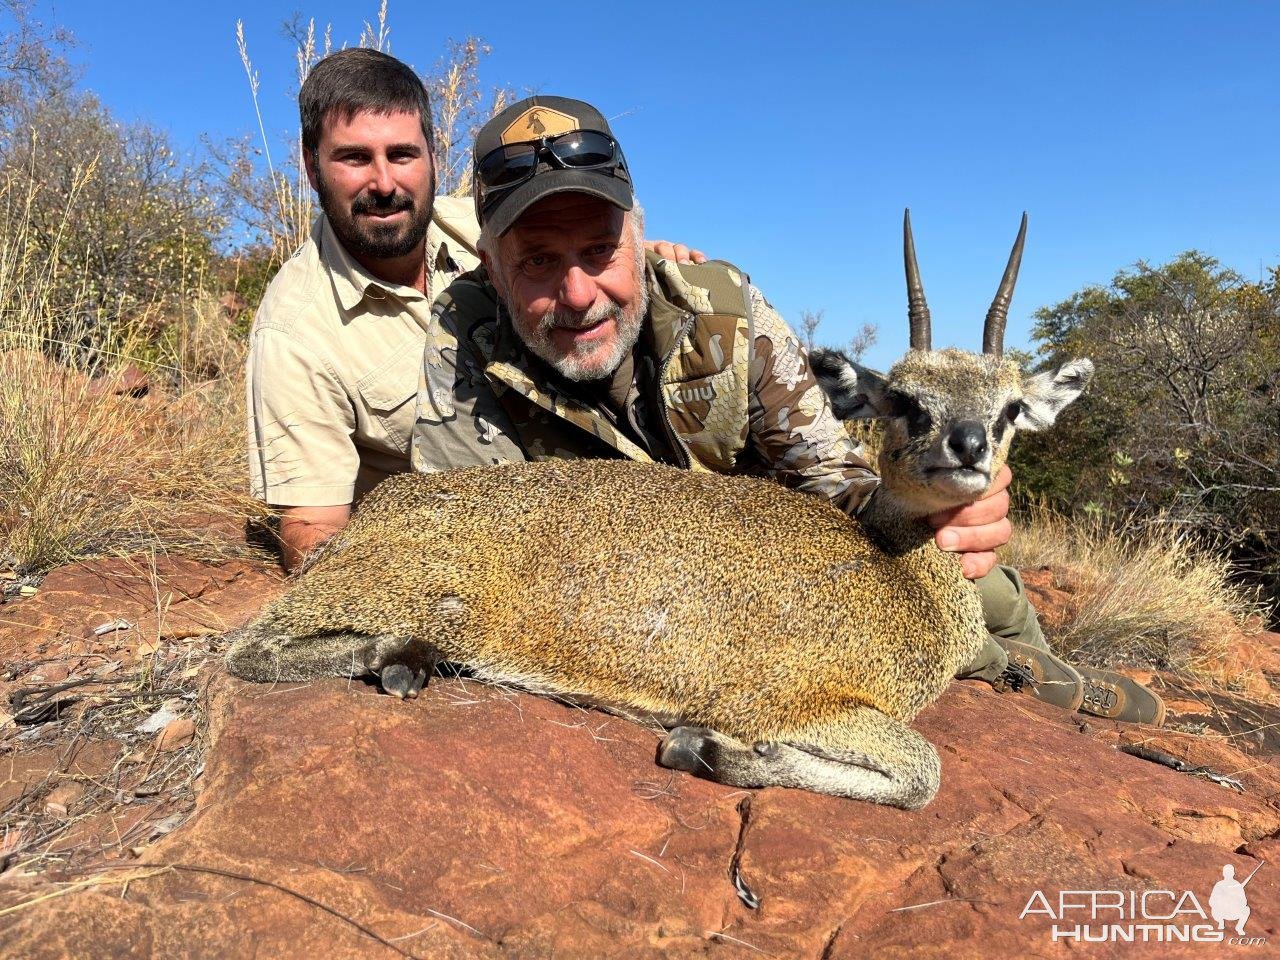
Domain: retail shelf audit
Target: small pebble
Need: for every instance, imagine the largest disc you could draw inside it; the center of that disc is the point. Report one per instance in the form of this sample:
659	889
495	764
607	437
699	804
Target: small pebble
167	713
62	798
51	672
112	626
178	733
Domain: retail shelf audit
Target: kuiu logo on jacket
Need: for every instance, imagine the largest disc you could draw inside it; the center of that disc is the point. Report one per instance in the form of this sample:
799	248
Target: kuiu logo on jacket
706	392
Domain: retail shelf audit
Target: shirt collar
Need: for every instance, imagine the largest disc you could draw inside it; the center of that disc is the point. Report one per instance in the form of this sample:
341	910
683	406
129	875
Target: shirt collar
439	254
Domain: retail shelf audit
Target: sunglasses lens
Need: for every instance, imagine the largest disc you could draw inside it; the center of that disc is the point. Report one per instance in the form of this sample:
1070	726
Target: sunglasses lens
583	148
506	165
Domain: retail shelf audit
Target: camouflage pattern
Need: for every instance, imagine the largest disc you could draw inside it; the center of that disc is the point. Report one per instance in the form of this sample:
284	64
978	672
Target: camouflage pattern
701	322
733	390
800	442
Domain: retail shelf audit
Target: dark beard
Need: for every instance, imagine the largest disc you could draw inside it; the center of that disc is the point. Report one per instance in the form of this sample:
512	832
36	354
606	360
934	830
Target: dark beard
372	240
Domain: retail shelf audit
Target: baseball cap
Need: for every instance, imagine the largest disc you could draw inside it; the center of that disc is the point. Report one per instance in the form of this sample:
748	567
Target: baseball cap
527	152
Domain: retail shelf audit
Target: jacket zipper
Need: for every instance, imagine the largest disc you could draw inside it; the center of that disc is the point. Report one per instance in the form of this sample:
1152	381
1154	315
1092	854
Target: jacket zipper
677	444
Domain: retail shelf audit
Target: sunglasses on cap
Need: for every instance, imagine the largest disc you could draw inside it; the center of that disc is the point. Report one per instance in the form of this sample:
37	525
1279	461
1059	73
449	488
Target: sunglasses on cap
515	163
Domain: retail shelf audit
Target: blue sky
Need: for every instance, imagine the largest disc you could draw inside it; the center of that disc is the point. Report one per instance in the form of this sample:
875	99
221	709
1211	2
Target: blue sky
789	137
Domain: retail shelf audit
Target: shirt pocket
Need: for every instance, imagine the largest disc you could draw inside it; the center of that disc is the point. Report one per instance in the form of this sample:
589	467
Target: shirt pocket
389	391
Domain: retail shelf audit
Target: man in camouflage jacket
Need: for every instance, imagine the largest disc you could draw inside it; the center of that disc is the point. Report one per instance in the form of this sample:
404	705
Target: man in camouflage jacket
713	380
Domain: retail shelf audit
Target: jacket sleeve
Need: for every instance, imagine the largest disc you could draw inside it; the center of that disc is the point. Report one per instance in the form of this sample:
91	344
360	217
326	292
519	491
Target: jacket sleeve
792	427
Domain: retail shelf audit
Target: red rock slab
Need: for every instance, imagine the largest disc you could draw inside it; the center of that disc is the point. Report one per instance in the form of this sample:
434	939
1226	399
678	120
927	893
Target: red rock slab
475	822
174	597
48	640
129	381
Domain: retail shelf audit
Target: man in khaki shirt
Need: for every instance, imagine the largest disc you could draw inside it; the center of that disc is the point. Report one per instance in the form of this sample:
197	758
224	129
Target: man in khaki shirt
337	341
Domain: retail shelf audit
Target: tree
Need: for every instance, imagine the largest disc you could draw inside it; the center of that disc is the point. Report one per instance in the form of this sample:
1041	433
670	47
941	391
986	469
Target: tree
810	320
857	345
1181	423
862	341
117	222
126	219
33	60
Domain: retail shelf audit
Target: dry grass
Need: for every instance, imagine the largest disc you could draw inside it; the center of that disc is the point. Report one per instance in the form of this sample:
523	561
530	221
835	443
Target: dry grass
199	345
461	109
84	472
282	211
1149	597
86	469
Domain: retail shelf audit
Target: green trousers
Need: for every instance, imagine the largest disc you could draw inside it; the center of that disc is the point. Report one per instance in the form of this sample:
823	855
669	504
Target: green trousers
1009	616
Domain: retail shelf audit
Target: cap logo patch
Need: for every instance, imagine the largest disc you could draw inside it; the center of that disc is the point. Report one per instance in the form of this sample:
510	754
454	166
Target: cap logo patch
536	123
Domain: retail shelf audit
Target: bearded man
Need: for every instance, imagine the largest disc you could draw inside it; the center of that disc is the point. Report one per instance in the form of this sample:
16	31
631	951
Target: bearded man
572	341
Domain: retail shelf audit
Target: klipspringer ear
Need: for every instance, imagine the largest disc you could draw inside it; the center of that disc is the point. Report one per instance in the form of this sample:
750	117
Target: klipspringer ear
1047	394
855	392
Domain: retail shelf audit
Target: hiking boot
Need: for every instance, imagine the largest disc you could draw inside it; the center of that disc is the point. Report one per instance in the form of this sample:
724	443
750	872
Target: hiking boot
1046	677
1116	697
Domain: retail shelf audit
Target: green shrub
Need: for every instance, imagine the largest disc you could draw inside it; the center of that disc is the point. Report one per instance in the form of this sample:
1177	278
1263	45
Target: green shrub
1182	420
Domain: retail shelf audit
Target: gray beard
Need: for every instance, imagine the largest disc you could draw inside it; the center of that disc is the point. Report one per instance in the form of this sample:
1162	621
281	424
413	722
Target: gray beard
573	365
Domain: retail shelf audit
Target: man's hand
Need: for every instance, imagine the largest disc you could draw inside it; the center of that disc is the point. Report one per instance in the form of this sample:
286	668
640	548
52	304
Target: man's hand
675	251
305	528
977	529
